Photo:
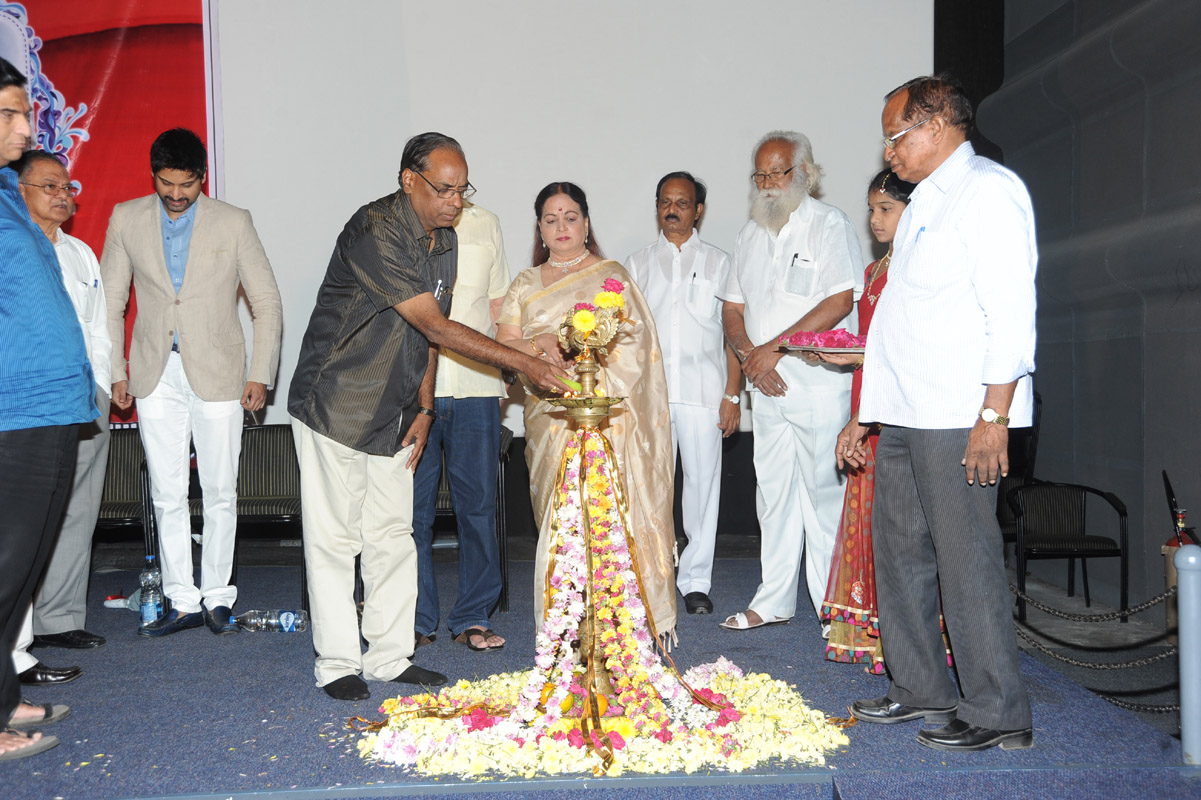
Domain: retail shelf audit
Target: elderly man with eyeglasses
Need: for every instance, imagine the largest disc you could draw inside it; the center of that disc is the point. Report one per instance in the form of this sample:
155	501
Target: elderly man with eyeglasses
362	406
947	370
797	267
59	610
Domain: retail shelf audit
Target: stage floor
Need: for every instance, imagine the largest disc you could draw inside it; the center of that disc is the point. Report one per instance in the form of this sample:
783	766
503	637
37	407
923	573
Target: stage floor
197	715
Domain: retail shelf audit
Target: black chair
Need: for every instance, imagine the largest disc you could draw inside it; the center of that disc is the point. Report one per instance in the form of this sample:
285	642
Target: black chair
1023	448
1051	524
125	500
268	486
443	506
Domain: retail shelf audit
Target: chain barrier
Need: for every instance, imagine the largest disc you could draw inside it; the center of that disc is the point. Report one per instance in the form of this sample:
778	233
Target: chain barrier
1139	708
1142	708
1107	617
1139	662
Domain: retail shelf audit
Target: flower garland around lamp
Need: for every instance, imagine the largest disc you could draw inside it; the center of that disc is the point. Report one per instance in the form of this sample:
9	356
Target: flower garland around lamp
599	686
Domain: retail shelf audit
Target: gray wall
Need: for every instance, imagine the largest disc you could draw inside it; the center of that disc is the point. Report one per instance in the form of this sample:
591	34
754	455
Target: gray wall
1100	113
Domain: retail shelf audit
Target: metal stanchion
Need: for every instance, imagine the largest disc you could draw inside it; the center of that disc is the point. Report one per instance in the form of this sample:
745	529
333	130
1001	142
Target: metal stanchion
1188	567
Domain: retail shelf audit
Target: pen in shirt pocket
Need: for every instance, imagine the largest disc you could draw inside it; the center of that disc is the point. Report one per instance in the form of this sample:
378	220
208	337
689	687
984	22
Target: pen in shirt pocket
795	256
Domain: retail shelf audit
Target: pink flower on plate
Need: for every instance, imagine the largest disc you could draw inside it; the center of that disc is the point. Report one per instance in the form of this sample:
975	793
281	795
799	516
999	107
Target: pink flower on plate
583	307
613	285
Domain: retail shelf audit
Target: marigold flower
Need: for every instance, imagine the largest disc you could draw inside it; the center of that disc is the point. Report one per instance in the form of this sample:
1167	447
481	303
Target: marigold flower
584	321
610	300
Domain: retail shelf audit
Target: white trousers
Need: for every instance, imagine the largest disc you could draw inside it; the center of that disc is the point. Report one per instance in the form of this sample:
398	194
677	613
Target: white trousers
696	437
169	418
357	504
799	493
22	658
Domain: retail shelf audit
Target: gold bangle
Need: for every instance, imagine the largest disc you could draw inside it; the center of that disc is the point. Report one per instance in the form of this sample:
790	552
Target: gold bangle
858	363
534	346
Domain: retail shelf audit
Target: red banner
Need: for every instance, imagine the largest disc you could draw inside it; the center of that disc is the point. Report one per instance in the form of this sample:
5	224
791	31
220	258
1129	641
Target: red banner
110	77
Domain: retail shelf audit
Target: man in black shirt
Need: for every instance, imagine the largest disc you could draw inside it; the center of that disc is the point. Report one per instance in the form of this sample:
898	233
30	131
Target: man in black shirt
362	404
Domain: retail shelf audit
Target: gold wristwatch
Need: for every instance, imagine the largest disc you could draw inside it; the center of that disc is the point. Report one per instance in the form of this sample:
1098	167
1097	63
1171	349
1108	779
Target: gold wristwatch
988	415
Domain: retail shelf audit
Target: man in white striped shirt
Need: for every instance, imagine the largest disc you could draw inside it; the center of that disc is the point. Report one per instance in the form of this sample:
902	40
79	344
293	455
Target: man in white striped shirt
947	369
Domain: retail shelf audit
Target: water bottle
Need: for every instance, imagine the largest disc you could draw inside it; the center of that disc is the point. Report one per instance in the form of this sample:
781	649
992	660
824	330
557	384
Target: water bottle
283	620
151	593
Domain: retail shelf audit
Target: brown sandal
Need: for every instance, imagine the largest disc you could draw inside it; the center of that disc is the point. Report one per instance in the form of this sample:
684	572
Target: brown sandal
421	640
484	633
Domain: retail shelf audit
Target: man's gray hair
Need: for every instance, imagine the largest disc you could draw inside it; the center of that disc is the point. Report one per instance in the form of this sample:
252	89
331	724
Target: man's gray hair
802	156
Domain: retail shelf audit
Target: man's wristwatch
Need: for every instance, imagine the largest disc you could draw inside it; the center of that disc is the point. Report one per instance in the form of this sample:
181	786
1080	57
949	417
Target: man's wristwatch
429	412
733	398
988	415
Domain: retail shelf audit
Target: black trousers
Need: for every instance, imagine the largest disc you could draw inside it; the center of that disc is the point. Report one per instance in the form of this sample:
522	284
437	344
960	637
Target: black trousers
36	465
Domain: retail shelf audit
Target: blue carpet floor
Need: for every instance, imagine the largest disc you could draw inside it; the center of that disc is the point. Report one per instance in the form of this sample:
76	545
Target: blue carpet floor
200	715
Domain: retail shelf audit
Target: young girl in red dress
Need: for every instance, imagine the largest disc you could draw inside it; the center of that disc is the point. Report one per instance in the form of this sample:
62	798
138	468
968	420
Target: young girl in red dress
850	604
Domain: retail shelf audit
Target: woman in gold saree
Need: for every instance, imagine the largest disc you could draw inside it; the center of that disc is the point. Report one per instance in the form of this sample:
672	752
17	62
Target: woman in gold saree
568	268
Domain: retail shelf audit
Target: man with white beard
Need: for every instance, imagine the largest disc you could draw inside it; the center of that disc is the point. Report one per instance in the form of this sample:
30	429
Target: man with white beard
797	267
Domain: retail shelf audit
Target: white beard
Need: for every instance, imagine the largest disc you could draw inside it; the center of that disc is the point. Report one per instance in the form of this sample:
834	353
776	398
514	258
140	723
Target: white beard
771	208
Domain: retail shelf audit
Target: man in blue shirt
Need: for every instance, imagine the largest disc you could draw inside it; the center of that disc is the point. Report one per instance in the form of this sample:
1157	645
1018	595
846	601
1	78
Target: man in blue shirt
46	391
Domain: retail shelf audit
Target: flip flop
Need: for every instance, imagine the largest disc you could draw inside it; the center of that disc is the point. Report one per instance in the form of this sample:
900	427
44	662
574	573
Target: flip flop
739	622
40	746
50	713
476	630
421	640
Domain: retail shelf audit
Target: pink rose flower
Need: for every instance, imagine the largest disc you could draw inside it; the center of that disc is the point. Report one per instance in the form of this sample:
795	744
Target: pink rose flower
613	285
583	307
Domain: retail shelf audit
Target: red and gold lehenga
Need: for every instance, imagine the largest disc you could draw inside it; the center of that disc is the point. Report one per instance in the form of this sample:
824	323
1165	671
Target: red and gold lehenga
850	604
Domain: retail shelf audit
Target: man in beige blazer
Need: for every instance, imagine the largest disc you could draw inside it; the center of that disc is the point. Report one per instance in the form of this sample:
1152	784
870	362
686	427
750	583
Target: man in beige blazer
186	255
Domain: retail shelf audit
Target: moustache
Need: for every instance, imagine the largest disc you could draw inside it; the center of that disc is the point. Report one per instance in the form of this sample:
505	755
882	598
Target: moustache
672	217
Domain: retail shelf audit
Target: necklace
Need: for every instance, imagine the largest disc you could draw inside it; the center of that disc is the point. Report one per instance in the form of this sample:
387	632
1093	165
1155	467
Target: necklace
566	265
880	269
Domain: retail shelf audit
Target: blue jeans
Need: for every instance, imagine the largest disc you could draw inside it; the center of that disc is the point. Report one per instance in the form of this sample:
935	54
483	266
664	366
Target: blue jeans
468	430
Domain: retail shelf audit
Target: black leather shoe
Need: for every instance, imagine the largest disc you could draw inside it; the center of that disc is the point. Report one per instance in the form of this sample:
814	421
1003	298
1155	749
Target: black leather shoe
958	735
887	712
698	603
172	622
220	620
348	687
422	677
71	640
41	675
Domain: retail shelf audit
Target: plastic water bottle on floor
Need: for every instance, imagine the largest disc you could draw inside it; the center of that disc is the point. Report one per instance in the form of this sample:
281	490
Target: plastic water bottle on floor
283	620
151	592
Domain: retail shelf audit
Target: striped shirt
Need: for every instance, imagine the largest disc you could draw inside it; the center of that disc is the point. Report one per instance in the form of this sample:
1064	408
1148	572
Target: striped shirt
959	311
361	364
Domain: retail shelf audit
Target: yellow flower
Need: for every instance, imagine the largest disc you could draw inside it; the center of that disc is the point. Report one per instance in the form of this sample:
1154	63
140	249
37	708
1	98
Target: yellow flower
584	321
609	300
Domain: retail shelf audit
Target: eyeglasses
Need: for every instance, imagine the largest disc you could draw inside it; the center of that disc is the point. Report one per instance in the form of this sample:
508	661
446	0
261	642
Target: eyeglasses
775	177
53	188
449	192
890	142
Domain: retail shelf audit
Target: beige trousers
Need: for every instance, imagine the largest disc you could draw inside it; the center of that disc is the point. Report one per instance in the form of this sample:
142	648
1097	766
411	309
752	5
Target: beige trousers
357	504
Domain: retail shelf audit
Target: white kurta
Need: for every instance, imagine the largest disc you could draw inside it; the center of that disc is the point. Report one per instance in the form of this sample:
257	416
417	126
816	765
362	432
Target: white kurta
780	278
680	285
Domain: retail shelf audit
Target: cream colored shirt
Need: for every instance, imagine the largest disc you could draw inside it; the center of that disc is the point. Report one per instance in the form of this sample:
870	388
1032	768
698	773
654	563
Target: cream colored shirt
483	276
